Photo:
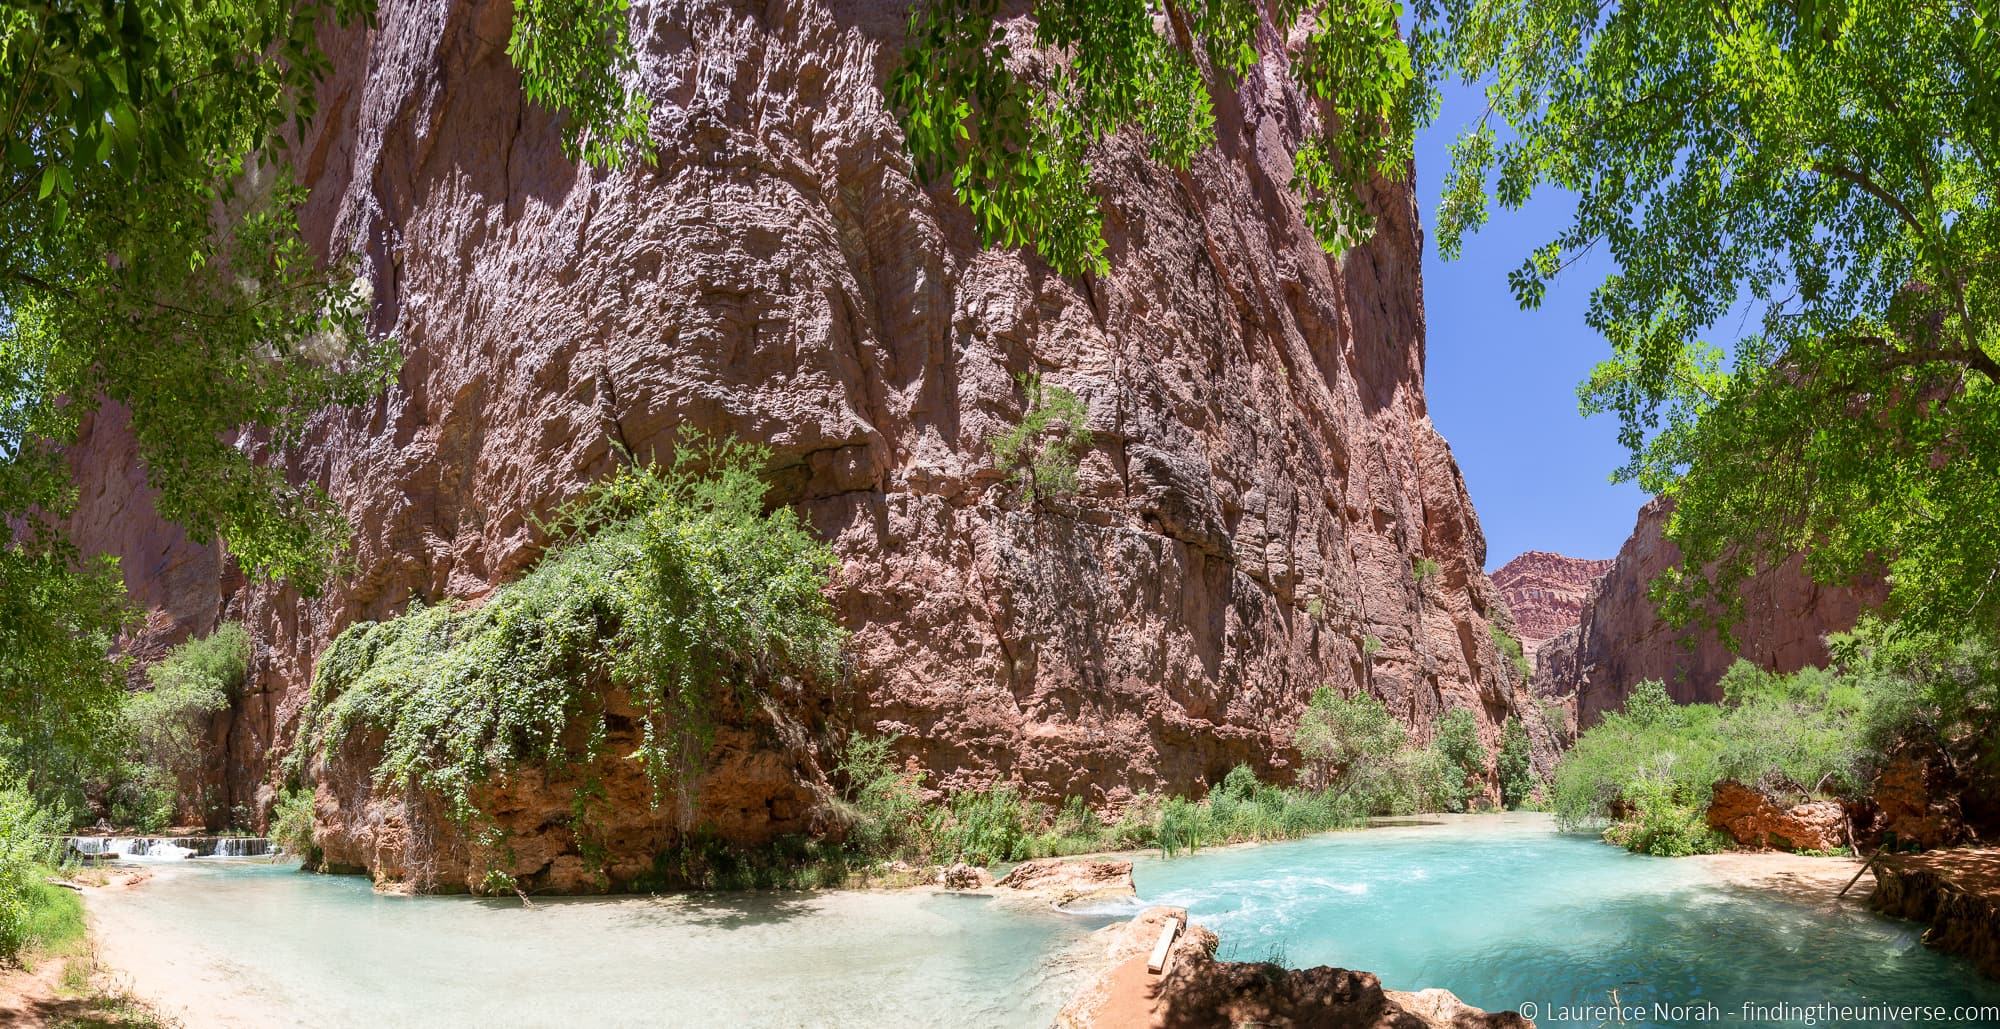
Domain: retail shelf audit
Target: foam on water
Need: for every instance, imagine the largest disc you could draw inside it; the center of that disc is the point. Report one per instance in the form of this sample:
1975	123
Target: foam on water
168	848
1504	912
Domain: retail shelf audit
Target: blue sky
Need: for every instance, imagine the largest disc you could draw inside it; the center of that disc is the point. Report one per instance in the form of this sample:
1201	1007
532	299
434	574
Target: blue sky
1502	381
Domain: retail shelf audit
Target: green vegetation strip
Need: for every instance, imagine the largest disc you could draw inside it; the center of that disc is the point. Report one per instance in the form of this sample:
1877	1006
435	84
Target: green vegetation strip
671	584
1650	770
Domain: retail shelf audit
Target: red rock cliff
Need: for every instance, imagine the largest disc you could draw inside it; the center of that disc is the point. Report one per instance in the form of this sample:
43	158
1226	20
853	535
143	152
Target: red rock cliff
1546	593
1621	642
1262	470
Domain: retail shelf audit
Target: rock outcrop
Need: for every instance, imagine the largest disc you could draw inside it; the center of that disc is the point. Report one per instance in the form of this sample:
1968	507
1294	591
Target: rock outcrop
1194	989
1957	891
1546	593
1062	881
1755	820
1621	640
1261	474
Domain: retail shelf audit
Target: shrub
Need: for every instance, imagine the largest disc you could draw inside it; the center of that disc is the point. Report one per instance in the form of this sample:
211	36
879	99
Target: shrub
291	825
1510	649
1665	820
1457	742
1349	746
1423	569
670	583
25	850
984	826
883	809
142	798
998	824
1515	764
1042	452
1431	782
1801	734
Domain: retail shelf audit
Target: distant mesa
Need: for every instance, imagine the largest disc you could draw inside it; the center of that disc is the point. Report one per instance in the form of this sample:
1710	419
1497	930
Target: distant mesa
1546	593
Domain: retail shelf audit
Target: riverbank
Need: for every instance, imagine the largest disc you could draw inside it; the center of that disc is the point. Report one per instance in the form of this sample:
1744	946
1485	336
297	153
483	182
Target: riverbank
1956	891
233	943
64	981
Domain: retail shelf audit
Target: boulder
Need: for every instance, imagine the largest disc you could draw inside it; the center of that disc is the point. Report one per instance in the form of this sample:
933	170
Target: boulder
1909	799
1064	881
1194	989
1754	820
962	876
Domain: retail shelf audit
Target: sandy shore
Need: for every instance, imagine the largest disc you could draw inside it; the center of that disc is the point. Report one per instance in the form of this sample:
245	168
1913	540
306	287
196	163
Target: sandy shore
184	985
1807	880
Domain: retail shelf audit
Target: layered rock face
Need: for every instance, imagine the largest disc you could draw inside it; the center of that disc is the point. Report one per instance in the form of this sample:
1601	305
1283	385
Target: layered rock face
1546	593
1261	473
1621	641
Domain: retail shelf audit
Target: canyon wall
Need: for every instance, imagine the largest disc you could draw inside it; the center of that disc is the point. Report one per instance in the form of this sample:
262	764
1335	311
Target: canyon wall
1545	592
1262	471
1620	641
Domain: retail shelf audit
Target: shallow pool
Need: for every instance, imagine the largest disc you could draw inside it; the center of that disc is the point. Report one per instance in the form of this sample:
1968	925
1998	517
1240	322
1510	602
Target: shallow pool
287	948
1501	910
1507	913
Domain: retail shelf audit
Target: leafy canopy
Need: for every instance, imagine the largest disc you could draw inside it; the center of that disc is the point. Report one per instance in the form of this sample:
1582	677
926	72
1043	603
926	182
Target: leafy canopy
1824	173
152	270
1007	118
1349	744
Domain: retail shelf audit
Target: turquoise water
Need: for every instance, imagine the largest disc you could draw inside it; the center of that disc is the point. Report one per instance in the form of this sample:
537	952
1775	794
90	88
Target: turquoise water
326	951
1502	911
1506	913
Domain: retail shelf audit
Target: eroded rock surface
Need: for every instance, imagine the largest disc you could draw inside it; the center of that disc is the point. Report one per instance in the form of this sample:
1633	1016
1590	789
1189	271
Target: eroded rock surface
1621	641
1546	593
1957	891
1262	470
1194	989
1062	881
1755	820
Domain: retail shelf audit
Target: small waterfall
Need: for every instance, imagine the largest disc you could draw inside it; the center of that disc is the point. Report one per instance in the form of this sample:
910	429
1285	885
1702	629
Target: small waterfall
168	848
242	846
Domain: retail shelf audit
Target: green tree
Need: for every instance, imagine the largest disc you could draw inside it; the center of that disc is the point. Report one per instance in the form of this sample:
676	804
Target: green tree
1510	648
1012	138
168	724
1824	170
1349	746
1457	743
1515	763
151	262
